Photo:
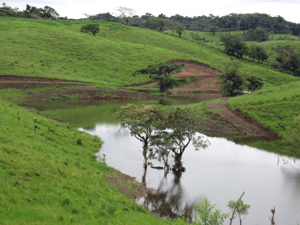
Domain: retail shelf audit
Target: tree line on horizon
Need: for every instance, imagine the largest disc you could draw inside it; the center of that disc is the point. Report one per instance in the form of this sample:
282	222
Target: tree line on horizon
211	23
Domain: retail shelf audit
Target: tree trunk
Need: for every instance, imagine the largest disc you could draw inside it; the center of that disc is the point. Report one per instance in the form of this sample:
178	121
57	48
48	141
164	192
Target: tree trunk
178	163
145	147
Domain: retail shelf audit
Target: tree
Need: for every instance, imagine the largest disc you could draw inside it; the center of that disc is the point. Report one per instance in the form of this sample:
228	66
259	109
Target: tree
258	52
234	45
163	131
231	81
213	29
142	123
125	14
155	23
162	73
172	25
161	25
94	28
241	208
254	83
49	13
287	58
182	125
179	30
208	214
258	34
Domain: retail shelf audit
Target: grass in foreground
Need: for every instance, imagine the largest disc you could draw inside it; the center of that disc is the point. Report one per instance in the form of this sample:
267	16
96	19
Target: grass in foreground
51	176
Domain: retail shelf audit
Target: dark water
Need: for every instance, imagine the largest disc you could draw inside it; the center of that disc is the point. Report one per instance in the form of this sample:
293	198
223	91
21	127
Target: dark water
220	173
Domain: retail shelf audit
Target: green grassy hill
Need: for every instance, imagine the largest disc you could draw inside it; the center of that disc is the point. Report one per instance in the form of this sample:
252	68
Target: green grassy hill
57	49
48	177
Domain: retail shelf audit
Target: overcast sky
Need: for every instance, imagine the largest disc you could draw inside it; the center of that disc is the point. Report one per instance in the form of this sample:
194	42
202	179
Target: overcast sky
289	9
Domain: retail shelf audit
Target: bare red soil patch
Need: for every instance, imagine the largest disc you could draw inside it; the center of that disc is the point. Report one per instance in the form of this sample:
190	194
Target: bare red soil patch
208	75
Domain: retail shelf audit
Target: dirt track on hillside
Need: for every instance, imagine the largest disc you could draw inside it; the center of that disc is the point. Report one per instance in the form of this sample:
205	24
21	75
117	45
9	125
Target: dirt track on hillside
238	124
34	82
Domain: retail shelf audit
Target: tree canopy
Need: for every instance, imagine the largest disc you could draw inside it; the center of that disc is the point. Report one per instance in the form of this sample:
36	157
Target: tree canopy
94	28
234	45
258	34
163	131
231	81
162	73
254	83
257	52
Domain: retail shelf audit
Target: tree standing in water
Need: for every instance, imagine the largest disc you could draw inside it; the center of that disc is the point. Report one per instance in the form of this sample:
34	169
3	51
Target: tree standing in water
141	122
163	131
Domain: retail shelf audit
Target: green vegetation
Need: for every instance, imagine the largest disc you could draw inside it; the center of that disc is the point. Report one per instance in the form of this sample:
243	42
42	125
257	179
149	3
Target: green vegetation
73	55
162	74
274	108
234	45
163	131
258	34
93	28
208	213
240	208
48	170
231	81
49	177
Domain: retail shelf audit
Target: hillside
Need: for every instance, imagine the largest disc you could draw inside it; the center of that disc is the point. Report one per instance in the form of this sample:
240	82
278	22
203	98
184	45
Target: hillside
57	49
51	175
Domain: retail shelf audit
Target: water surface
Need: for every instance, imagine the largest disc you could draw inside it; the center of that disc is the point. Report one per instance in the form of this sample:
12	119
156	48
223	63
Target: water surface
220	173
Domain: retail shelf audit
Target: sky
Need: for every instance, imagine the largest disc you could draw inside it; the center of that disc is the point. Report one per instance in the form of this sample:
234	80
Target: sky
288	9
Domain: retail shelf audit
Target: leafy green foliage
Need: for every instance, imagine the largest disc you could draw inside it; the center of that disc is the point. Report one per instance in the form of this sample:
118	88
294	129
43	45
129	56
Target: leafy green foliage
94	28
254	83
258	34
234	45
231	81
179	30
162	73
155	23
141	122
208	214
241	209
163	131
183	124
213	29
258	52
288	59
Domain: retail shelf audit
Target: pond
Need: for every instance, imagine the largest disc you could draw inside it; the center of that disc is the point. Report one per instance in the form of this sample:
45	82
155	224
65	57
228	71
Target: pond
220	173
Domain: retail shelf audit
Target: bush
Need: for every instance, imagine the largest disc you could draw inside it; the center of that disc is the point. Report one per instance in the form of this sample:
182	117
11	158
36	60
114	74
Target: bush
78	141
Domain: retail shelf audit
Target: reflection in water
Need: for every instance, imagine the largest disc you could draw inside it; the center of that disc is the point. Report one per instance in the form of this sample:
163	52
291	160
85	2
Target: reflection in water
219	173
168	199
163	101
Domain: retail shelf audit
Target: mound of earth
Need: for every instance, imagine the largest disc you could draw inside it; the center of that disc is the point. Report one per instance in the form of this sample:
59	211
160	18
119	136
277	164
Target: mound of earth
208	80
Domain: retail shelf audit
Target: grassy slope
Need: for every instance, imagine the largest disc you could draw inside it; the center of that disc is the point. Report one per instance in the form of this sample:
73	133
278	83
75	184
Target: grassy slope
274	108
48	178
39	173
57	49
